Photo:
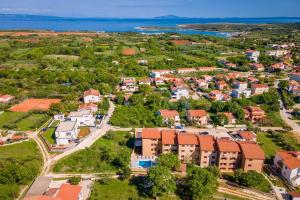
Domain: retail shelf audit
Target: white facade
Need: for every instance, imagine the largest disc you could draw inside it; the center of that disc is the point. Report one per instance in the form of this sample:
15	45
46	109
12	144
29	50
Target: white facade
82	117
66	132
239	93
179	93
60	117
253	55
91	99
241	85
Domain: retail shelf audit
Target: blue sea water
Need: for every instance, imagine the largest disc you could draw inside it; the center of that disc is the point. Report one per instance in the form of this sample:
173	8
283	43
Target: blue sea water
30	22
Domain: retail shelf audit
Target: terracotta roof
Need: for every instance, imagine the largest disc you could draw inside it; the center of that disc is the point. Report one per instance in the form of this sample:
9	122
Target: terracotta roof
290	158
247	135
70	192
197	113
187	138
207	143
42	197
294	194
87	106
252	150
168	113
260	85
181	42
151	133
91	92
227	146
168	137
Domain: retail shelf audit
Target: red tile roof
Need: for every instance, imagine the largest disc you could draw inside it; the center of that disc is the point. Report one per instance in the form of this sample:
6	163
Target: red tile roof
290	158
128	52
168	113
187	138
69	192
42	197
260	86
168	137
151	133
252	150
227	146
196	113
247	135
91	92
207	143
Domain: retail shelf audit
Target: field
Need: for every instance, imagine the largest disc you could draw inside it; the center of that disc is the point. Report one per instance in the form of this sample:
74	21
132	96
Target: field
268	144
21	121
49	135
21	152
34	104
105	155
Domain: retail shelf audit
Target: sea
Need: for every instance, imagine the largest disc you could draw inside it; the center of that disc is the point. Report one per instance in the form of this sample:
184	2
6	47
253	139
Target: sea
35	22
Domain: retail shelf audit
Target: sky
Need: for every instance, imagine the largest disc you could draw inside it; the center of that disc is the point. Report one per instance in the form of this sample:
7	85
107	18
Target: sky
153	8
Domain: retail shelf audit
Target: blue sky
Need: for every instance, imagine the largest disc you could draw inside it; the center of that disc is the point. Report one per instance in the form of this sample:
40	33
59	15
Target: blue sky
153	8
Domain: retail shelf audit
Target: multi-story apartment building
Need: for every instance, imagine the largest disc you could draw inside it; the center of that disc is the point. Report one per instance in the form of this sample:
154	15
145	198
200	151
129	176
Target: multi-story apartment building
203	150
229	155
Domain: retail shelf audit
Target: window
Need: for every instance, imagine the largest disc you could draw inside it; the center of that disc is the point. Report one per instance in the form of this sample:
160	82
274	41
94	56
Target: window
182	151
249	165
205	156
213	157
191	151
204	162
250	159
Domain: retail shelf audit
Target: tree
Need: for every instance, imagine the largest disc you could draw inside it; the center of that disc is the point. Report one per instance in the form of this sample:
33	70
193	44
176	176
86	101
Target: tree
169	161
145	89
283	85
160	181
74	180
214	170
202	184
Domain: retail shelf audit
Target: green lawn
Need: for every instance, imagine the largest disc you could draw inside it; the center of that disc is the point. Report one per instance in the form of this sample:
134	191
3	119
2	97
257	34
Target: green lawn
49	135
106	155
31	122
268	144
21	151
117	189
6	117
25	122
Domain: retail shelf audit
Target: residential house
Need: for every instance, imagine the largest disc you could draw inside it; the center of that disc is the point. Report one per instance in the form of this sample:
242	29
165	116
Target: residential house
257	89
129	52
229	155
82	117
88	106
129	85
201	83
181	42
66	132
254	114
221	85
241	93
288	164
252	157
91	96
169	116
257	67
216	95
208	152
179	93
277	67
169	141
188	148
186	70
151	142
159	81
208	69
198	116
230	117
59	117
277	53
248	136
253	80
145	81
240	85
158	73
294	88
6	98
252	55
295	76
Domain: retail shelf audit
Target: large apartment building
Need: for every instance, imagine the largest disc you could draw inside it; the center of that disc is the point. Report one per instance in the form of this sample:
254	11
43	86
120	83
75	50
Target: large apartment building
203	150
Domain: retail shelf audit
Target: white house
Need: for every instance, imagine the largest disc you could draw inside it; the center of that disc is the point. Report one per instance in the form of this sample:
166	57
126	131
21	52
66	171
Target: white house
240	85
239	93
82	117
6	98
160	72
91	96
169	115
277	53
66	132
252	55
178	93
59	117
288	164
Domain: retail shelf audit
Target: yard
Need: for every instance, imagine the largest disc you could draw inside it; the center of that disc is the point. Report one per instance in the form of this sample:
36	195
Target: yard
108	154
49	135
268	144
21	121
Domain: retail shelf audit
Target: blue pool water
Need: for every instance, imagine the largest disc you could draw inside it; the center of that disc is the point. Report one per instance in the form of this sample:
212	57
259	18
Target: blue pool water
146	163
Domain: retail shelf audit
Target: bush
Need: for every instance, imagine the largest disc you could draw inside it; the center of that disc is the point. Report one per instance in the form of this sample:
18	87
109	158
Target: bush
75	180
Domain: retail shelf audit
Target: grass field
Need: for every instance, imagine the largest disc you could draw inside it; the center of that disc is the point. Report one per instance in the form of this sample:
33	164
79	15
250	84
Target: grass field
117	189
268	144
21	151
49	135
62	57
26	122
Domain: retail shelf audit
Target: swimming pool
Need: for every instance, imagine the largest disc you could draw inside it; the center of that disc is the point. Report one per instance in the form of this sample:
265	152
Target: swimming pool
146	163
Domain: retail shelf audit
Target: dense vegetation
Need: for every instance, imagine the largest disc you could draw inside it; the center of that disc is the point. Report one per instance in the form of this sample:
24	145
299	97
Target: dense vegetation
19	165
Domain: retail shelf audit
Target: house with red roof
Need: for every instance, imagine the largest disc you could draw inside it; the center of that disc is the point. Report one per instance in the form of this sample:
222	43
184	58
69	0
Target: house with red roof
229	155
257	67
221	85
188	147
248	136
151	142
208	152
6	98
288	164
254	114
252	157
91	96
169	141
257	89
198	116
186	70
169	116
